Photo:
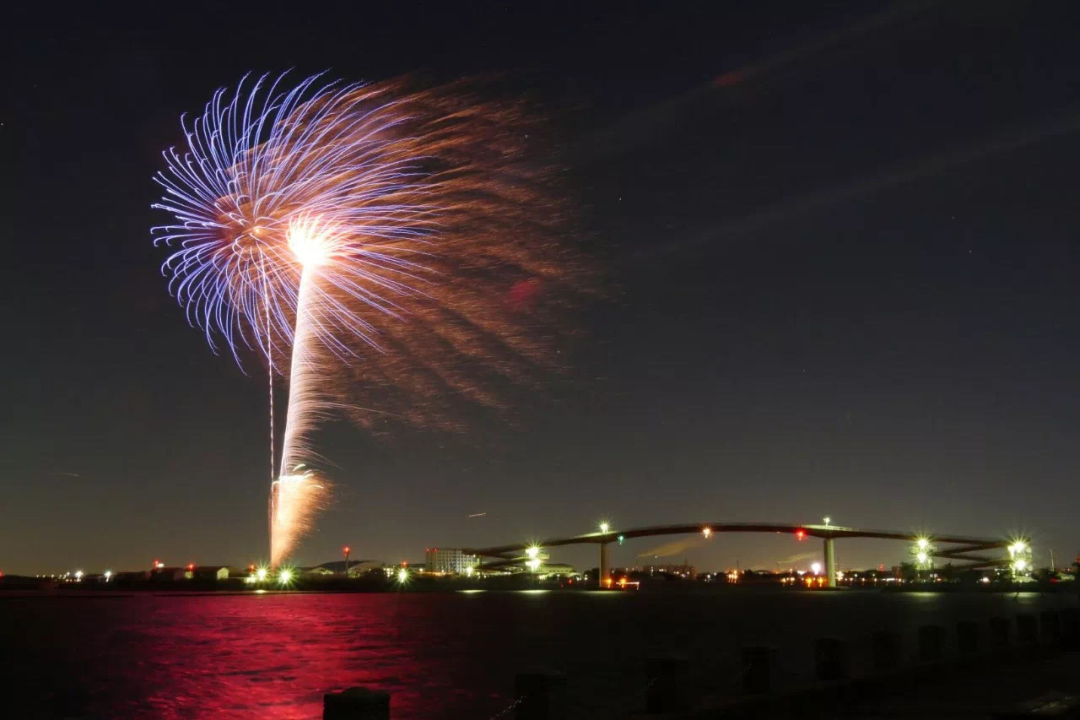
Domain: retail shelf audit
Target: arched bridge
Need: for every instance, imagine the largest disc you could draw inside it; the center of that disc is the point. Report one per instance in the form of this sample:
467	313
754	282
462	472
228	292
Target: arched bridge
969	551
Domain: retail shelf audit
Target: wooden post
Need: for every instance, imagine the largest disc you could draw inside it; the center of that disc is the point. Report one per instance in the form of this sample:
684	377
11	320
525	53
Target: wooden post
1027	630
931	642
1070	627
356	703
669	684
967	637
1000	630
830	659
1050	625
885	648
759	669
542	694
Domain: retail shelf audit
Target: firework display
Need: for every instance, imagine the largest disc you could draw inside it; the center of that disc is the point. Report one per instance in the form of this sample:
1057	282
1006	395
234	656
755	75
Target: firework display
391	252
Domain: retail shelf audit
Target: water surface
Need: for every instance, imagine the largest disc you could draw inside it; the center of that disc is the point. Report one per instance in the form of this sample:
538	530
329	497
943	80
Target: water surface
441	656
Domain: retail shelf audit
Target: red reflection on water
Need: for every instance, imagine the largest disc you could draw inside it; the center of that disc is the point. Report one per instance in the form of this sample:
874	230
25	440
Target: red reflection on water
270	656
441	656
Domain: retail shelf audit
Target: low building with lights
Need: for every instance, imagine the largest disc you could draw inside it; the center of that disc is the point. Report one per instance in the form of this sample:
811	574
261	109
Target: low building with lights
756	577
363	567
168	573
684	571
130	577
556	570
209	572
337	567
318	571
451	561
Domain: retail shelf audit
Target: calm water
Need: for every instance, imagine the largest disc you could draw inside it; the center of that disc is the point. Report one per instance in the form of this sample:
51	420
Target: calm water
440	655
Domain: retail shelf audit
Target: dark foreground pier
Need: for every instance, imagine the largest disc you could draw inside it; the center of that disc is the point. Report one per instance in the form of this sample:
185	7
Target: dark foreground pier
1019	666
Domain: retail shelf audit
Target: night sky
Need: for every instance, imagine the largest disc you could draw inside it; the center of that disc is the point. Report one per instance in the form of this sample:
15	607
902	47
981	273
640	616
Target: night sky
839	250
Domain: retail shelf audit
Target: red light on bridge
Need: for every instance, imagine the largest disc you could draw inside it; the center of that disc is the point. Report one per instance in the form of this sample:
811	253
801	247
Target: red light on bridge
800	533
190	566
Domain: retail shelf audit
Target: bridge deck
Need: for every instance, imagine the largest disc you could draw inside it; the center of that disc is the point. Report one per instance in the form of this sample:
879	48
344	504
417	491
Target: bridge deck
963	544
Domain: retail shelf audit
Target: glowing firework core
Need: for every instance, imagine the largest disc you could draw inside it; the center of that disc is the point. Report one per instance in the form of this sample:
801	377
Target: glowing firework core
310	241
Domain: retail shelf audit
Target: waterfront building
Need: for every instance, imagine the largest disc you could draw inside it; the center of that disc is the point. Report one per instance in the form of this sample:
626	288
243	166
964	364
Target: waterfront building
452	561
209	572
363	567
684	571
556	570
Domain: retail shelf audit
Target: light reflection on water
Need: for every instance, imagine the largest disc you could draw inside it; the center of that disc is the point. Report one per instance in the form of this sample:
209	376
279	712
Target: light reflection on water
440	656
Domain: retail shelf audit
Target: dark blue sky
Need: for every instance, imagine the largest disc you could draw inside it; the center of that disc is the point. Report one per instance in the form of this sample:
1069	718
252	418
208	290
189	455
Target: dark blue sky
841	249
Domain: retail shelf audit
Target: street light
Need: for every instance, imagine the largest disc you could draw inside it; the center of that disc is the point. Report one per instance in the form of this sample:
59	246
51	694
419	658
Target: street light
1020	555
923	551
604	527
706	531
826	519
346	551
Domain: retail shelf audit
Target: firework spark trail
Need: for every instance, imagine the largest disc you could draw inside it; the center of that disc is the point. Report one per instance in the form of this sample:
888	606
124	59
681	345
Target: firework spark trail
396	234
298	492
270	405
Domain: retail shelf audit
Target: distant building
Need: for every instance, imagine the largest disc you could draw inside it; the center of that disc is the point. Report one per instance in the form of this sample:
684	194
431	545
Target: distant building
168	573
209	572
548	569
685	570
362	567
761	577
131	577
320	570
337	567
449	560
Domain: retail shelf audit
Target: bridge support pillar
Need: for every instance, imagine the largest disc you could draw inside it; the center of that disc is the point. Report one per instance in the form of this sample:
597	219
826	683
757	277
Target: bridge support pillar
830	562
605	564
